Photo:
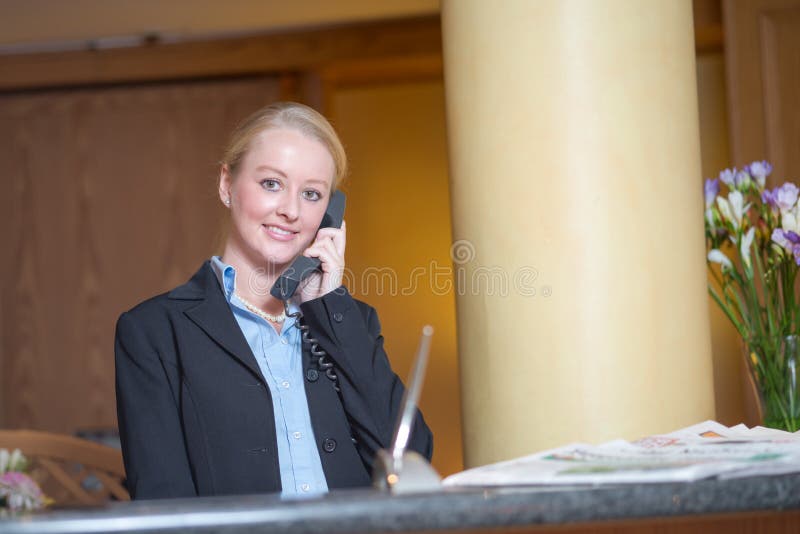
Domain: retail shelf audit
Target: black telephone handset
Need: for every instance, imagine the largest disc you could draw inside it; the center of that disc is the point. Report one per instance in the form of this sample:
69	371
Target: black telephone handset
288	282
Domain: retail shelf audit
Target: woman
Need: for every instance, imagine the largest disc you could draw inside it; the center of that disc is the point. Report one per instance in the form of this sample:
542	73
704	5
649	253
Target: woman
217	392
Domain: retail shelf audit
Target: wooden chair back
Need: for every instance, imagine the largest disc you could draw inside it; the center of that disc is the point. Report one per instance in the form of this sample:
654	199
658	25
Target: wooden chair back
70	470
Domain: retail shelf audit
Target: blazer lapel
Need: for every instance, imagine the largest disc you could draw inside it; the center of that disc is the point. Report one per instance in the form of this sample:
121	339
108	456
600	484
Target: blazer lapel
213	315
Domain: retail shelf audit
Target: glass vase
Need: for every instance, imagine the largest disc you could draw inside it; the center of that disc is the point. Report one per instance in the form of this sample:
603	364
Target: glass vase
773	361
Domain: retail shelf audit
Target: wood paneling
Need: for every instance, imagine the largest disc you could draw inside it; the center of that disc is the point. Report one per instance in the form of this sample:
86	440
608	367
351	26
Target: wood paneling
780	54
112	198
762	58
267	53
707	26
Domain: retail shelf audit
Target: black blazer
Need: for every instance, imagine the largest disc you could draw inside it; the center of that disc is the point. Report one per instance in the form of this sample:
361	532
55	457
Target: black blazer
195	416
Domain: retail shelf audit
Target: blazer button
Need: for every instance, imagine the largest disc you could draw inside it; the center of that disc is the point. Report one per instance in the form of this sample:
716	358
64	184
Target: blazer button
312	375
338	316
329	445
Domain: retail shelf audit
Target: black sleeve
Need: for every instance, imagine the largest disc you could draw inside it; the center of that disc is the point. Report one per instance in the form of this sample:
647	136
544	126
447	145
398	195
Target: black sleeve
153	447
371	392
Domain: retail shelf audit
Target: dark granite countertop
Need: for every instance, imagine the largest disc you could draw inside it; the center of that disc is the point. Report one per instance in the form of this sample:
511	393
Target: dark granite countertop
366	511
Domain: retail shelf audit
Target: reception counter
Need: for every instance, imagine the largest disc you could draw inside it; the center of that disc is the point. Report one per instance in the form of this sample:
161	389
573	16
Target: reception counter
763	504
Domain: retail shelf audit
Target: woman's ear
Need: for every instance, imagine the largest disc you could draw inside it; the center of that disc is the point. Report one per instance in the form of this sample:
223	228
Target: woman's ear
225	181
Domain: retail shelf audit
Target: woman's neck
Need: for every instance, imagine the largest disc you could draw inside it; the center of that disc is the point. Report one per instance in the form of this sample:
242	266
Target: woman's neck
254	281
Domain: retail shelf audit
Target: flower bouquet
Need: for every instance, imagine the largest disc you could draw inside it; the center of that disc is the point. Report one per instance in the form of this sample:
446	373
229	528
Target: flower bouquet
18	491
753	233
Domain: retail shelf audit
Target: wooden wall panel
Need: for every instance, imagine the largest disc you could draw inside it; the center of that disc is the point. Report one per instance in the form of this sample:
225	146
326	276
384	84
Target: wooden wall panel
762	59
707	26
111	198
780	53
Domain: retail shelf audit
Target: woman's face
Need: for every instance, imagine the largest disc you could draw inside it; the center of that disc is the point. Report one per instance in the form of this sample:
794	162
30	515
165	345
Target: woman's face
277	198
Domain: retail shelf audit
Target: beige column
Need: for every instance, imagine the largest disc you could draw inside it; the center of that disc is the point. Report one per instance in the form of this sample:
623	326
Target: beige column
577	215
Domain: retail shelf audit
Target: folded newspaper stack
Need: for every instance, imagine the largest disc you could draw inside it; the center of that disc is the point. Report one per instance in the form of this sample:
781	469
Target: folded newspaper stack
704	450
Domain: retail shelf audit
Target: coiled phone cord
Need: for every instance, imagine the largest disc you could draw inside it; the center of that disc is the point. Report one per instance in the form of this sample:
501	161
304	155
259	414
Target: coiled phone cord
323	361
322	357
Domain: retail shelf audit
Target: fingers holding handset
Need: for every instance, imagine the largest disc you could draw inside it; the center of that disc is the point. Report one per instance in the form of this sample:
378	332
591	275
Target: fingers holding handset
329	248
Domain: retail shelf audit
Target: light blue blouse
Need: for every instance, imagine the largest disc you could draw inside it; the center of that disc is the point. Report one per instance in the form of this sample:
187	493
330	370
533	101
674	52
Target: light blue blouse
280	361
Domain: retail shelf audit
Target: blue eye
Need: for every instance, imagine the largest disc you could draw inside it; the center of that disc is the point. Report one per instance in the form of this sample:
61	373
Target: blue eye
270	185
312	195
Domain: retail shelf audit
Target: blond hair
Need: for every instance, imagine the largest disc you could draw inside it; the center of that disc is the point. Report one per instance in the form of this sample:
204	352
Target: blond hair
290	115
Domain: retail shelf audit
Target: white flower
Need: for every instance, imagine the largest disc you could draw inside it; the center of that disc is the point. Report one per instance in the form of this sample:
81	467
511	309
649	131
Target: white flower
16	461
717	256
747	242
733	209
725	209
736	200
790	220
761	179
4	456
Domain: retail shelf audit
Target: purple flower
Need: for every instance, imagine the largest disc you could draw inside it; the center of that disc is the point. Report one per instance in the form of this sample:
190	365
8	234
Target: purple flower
740	178
789	241
711	190
786	196
14	479
728	176
768	198
734	178
759	170
780	239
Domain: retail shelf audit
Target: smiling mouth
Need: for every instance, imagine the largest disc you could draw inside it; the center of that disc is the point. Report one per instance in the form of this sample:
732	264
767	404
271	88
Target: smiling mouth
276	230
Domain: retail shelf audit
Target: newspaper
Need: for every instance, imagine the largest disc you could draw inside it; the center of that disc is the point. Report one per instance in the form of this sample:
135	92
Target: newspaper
704	450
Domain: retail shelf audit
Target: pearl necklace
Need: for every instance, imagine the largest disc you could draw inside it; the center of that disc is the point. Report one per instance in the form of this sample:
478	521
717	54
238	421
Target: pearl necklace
261	313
